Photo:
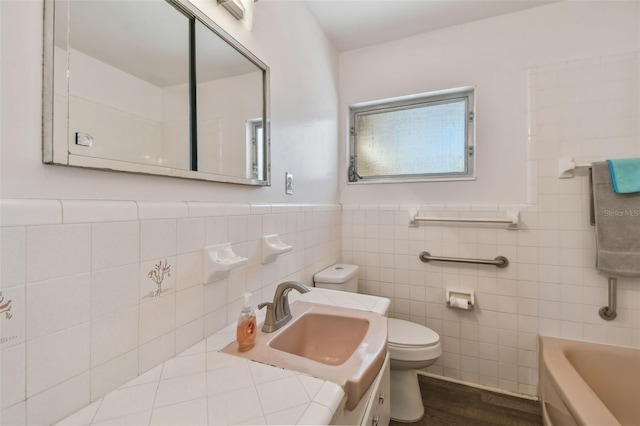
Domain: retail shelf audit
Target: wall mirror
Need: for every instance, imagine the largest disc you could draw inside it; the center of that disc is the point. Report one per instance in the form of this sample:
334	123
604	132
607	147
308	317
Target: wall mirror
152	87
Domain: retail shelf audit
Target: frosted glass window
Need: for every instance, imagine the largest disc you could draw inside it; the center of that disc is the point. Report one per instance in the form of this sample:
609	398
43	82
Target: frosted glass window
426	137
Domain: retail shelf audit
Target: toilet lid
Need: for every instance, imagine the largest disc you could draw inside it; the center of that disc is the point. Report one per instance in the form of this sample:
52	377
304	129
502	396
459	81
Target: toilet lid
406	333
339	273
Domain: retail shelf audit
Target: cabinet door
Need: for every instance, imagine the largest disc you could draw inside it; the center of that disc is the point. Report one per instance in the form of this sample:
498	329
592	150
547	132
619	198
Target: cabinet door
379	410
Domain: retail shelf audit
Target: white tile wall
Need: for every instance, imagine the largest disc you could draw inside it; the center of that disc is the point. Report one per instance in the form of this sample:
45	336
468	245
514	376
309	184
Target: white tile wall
12	366
14	415
30	212
114	289
113	373
113	335
156	351
114	244
157	317
55	251
80	323
157	239
12	247
59	401
57	304
56	357
586	110
78	211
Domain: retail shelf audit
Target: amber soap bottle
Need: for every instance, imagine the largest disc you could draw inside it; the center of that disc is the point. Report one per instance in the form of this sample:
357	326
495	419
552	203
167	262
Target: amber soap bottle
247	327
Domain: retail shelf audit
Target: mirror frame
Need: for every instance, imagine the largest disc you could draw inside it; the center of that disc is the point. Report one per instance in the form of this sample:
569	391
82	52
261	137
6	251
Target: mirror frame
57	151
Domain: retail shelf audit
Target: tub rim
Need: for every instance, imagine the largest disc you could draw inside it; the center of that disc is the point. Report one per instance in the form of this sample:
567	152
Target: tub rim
583	403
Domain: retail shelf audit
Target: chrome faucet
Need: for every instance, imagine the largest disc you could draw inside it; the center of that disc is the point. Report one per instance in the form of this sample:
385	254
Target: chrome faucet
278	312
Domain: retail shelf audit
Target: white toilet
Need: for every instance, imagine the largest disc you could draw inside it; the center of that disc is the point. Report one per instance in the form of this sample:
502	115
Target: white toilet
411	346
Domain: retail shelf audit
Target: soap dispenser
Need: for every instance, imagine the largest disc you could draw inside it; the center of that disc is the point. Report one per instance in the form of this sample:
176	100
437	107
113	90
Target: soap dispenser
247	328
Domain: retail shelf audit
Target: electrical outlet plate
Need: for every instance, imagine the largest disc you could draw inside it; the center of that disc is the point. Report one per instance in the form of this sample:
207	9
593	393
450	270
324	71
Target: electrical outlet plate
288	183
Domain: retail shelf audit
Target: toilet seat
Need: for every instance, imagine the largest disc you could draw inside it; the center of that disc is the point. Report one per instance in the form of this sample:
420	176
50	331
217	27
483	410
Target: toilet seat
409	334
408	341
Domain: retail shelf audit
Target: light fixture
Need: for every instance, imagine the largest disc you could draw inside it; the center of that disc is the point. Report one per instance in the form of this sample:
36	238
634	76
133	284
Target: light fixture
234	7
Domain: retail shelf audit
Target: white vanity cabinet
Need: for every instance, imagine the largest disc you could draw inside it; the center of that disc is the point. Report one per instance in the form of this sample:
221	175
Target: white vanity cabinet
378	412
374	409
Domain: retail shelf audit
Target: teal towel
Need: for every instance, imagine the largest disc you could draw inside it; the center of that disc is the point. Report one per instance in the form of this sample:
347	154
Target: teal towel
625	175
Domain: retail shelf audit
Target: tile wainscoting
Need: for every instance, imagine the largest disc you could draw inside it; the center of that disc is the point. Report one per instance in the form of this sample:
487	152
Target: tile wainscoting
83	316
550	287
95	293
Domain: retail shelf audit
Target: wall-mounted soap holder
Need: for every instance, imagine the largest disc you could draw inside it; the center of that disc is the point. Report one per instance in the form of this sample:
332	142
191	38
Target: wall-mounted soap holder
460	299
219	261
273	247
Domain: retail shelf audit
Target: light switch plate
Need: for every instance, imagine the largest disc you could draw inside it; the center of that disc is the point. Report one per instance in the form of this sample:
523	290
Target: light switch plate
288	183
84	139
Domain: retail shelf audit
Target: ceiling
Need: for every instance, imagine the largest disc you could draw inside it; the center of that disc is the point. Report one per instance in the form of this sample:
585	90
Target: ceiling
352	24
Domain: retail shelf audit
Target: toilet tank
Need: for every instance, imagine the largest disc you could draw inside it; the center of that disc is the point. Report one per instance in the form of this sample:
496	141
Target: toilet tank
341	276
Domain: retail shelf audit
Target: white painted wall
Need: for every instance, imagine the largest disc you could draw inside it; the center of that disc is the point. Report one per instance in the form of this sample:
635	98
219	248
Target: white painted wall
303	103
492	55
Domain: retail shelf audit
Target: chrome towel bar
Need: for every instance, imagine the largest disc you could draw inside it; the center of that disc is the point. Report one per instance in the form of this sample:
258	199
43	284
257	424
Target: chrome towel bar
512	219
500	261
461	220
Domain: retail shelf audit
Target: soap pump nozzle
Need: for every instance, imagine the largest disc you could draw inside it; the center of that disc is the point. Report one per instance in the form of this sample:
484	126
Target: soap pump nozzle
246	306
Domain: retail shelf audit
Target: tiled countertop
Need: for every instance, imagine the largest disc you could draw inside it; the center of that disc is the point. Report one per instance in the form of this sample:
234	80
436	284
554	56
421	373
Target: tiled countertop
202	386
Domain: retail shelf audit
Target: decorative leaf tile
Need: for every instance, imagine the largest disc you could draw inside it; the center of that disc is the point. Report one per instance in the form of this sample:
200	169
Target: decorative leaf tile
157	278
12	316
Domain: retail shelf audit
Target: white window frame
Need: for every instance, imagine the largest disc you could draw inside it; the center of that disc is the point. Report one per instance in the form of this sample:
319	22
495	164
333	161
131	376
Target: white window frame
408	102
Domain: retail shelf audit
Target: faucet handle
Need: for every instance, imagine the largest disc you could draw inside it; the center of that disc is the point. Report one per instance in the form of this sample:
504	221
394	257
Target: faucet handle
269	319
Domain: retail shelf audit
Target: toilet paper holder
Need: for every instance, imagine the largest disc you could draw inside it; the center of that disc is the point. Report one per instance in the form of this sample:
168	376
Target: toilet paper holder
459	299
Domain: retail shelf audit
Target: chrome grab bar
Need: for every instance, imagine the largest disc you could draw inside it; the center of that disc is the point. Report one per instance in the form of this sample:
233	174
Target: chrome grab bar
500	261
608	312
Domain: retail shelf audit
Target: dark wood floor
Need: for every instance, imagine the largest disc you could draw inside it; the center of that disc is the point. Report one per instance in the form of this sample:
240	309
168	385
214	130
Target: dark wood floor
448	403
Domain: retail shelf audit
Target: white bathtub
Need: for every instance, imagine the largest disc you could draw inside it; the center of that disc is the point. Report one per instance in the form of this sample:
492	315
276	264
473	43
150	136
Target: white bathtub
589	384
